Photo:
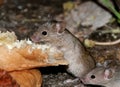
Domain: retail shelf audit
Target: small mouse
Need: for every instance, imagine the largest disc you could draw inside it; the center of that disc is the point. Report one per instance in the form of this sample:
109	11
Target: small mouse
55	34
108	77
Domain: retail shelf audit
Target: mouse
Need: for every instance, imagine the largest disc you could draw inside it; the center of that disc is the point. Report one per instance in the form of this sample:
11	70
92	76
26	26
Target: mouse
107	77
55	34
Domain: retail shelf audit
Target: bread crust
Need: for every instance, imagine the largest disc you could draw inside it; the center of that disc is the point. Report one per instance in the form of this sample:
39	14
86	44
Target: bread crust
27	78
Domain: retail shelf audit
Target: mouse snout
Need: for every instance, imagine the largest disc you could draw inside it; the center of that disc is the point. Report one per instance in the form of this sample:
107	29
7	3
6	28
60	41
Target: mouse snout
35	38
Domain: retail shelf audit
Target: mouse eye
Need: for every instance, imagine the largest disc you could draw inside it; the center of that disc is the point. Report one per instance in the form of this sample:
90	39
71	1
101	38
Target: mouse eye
92	76
44	33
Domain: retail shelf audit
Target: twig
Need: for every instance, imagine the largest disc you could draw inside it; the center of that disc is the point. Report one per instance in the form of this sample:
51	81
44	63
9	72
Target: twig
91	43
107	43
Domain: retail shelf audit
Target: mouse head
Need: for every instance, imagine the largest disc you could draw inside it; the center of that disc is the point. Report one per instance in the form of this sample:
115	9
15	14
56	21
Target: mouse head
49	32
99	76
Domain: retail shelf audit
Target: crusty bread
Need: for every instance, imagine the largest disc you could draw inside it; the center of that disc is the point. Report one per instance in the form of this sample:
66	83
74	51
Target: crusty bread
24	54
22	78
6	80
27	78
18	58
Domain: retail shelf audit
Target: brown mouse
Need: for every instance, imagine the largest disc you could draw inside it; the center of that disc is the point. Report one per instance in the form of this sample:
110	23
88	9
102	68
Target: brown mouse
108	77
55	34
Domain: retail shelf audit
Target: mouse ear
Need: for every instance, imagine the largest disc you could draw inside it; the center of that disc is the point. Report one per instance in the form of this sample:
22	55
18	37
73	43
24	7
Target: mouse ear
60	27
108	73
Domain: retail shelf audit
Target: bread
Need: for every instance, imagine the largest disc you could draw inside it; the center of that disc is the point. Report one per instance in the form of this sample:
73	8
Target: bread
6	80
23	78
27	78
18	58
24	54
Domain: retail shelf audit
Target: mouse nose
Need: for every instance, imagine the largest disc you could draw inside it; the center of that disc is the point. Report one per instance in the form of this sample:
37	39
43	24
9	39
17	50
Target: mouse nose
35	38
